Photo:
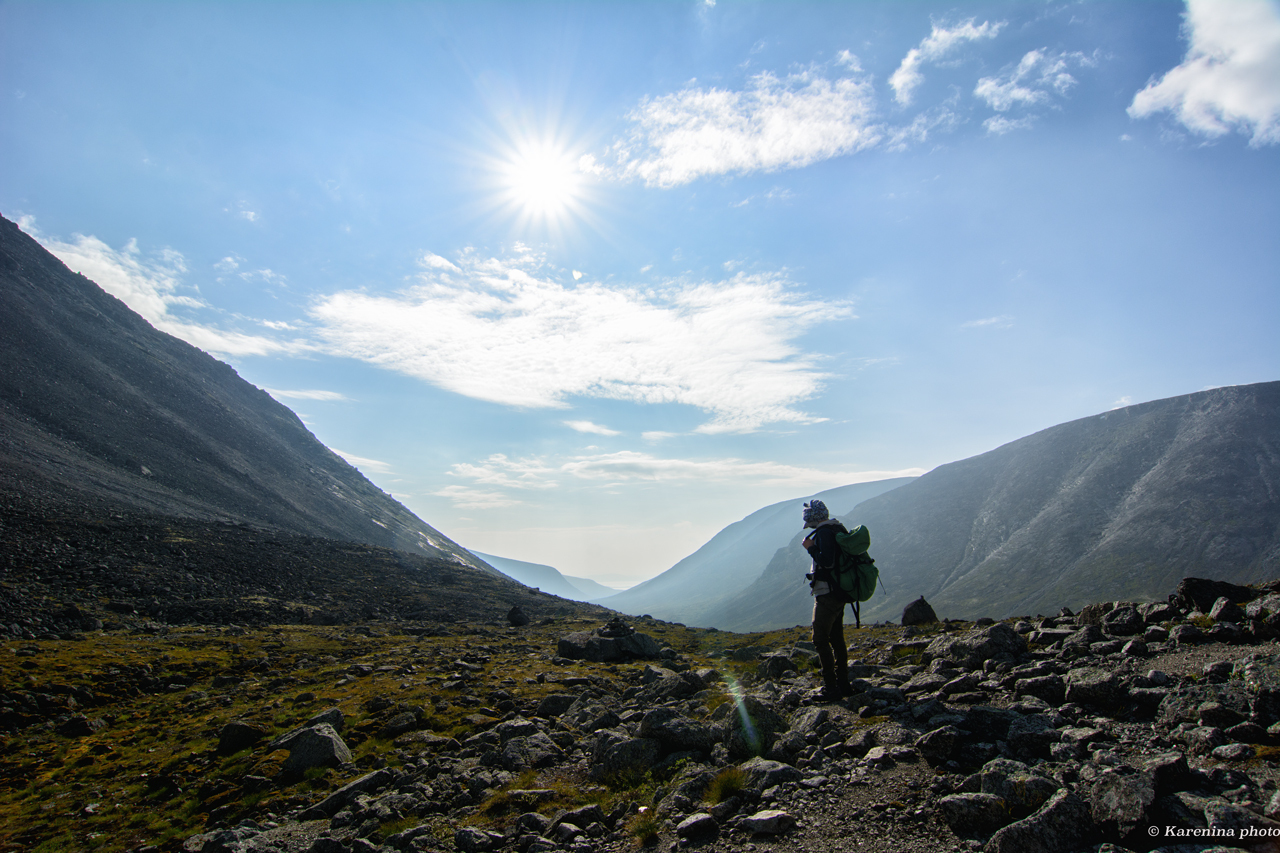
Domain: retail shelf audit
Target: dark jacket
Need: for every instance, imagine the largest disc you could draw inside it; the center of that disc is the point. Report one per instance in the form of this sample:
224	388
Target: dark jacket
826	551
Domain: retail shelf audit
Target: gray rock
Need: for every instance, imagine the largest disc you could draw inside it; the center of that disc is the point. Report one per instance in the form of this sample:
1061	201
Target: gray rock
761	773
316	746
1123	622
1233	752
1122	797
1050	688
534	751
769	822
516	617
697	826
1200	594
332	716
676	732
472	840
751	728
618	753
918	612
344	796
1100	688
604	645
1185	635
973	814
555	704
969	650
1203	740
1063	824
237	735
938	745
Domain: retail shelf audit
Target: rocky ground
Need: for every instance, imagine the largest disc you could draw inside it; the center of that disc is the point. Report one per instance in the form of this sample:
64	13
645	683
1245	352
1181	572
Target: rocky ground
63	560
1124	727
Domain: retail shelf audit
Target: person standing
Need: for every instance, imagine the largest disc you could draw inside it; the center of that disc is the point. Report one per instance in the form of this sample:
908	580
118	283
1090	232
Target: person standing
828	605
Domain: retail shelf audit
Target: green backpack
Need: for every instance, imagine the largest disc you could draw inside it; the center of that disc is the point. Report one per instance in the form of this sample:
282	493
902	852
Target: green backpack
856	573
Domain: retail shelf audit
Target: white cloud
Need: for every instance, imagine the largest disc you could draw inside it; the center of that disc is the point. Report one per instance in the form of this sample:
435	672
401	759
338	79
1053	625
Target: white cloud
501	331
499	470
150	286
249	215
774	123
1036	78
1000	125
326	396
937	44
1004	321
467	498
363	463
1230	77
430	260
588	426
1122	402
633	467
656	435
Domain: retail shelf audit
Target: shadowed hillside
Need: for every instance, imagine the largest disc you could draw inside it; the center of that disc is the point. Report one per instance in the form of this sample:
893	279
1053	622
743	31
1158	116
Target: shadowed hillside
94	402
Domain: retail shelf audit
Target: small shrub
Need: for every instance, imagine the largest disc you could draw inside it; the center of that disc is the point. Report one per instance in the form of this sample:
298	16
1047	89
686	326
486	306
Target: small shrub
644	827
727	782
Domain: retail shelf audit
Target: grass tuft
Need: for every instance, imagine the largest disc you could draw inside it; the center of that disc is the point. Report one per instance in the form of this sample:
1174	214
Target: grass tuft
727	782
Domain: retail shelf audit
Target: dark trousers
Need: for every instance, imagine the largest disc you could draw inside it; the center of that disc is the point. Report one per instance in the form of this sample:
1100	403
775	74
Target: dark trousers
828	638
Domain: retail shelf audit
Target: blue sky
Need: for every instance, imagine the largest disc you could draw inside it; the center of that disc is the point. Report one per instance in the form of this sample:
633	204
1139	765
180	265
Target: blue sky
583	283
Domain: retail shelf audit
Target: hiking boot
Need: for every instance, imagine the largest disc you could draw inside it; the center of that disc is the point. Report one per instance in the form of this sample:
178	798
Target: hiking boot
844	688
827	695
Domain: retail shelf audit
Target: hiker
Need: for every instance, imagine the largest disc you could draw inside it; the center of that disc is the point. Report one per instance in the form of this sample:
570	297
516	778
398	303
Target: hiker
828	608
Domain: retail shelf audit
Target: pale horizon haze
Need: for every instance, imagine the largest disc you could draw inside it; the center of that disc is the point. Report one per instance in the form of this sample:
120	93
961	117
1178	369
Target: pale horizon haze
583	283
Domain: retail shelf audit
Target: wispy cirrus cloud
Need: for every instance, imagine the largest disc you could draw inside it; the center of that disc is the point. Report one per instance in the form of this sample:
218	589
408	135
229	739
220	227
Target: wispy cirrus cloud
637	468
940	42
324	396
1230	77
504	330
588	426
773	123
364	463
1004	321
152	285
1035	81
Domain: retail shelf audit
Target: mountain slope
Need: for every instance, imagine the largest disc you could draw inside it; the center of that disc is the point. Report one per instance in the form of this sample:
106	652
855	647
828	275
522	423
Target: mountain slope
539	576
732	559
95	403
1121	505
591	590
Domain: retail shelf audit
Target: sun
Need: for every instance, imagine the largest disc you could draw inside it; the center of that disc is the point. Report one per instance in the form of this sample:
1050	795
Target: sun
543	180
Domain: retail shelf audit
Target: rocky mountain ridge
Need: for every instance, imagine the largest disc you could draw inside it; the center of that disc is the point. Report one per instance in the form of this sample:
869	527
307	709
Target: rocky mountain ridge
1121	505
96	403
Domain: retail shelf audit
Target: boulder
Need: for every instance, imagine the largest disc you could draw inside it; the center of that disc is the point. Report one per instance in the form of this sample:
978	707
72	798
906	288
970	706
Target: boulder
973	814
516	617
237	735
769	822
1121	798
972	648
918	612
1200	594
615	641
761	773
1062	825
315	746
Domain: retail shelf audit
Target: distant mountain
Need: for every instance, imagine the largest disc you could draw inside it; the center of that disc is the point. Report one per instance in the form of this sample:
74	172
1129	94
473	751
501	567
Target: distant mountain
1121	505
695	588
591	589
97	404
546	578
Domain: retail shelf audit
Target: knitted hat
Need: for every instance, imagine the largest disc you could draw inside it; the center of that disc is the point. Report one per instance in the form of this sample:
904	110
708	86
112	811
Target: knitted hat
814	511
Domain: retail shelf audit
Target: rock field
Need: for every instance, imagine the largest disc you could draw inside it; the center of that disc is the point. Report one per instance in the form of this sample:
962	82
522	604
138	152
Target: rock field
1123	727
